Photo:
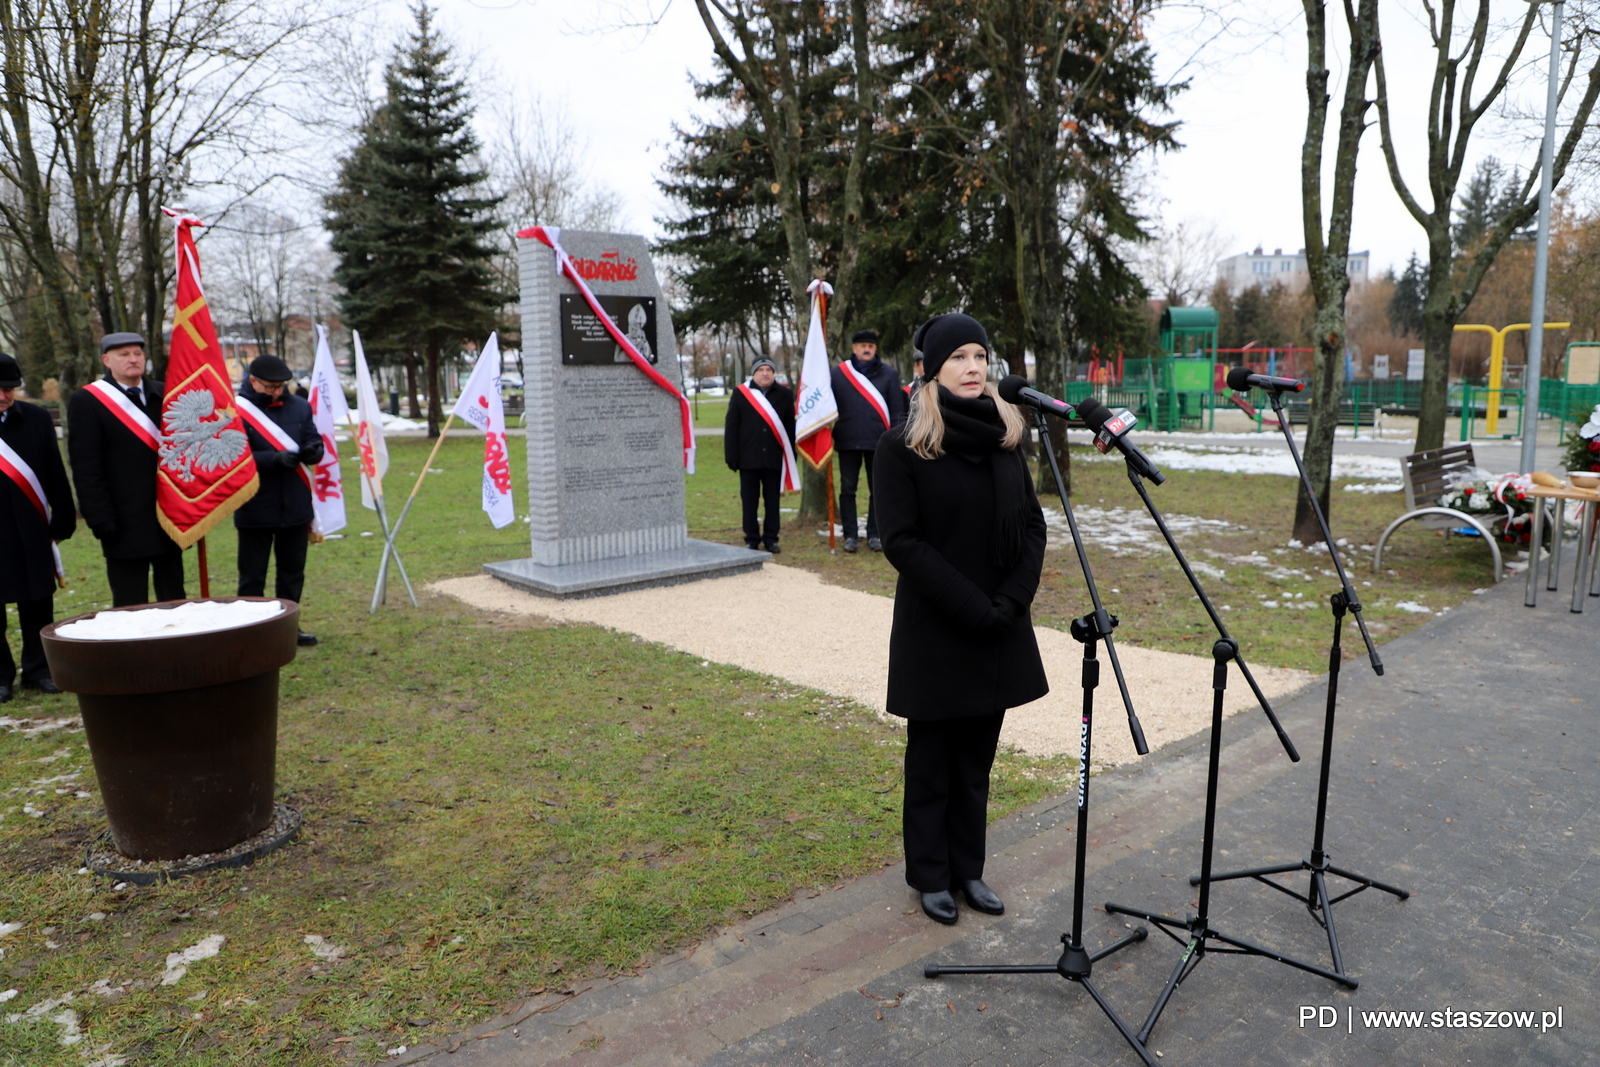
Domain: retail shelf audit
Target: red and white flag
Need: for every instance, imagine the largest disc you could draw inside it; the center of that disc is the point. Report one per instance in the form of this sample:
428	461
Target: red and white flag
205	470
480	405
370	447
815	410
328	409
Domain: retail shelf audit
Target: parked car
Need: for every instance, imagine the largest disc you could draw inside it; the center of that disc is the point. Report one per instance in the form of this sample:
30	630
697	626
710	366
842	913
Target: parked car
713	386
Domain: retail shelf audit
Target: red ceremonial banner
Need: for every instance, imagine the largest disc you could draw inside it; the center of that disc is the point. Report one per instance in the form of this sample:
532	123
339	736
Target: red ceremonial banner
206	470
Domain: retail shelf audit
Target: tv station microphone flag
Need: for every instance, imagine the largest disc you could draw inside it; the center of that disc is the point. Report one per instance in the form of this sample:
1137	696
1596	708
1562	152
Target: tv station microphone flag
815	409
205	470
479	404
328	409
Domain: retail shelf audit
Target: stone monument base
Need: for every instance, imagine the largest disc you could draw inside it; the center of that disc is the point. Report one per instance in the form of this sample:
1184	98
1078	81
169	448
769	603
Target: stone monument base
690	563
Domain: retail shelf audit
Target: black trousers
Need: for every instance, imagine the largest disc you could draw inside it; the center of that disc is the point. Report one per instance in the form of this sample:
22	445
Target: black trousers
130	577
754	486
849	477
256	547
947	798
32	616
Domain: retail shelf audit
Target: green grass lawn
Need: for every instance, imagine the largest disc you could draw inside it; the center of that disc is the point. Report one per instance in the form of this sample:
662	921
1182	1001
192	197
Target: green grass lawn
493	806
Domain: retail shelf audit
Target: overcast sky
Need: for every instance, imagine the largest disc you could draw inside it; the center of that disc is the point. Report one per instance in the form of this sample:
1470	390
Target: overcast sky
1243	119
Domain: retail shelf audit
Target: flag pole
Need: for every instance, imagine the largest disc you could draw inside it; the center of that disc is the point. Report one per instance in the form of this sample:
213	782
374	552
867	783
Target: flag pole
380	590
424	473
205	574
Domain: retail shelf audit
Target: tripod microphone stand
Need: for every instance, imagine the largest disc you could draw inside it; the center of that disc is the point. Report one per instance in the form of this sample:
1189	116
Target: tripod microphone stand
1200	934
1316	898
1076	962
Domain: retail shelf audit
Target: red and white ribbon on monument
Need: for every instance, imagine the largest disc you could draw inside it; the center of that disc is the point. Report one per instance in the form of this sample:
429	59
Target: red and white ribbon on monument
550	235
769	415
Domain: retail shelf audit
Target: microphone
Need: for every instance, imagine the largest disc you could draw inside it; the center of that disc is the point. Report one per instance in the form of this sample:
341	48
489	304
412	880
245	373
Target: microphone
1110	428
1014	389
1240	380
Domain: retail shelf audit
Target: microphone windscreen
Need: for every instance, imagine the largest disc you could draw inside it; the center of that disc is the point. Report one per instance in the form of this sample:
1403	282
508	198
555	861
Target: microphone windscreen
1239	379
1093	413
1011	387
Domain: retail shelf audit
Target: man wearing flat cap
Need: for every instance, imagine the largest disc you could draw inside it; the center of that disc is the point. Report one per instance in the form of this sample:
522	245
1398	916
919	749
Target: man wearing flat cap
758	442
36	510
276	522
868	395
113	441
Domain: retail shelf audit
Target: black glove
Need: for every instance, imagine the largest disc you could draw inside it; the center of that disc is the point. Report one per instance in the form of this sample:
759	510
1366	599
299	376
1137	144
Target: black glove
1003	611
103	531
288	460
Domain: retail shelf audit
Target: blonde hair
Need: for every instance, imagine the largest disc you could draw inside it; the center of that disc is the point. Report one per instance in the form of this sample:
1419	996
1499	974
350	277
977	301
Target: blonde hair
925	427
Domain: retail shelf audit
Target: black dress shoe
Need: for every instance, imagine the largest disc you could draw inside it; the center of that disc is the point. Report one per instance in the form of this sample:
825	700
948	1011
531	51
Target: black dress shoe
43	685
982	898
874	543
304	639
940	907
850	544
772	546
5	693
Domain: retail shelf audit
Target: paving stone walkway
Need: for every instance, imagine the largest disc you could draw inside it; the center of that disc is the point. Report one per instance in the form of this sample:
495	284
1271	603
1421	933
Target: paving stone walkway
1469	774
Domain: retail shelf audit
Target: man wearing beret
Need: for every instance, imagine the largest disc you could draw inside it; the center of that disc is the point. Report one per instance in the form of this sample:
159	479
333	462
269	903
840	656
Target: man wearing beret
36	510
867	392
276	522
113	437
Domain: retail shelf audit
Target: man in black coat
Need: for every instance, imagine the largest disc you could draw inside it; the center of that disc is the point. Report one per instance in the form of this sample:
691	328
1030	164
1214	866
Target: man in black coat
30	468
861	422
752	449
277	520
113	454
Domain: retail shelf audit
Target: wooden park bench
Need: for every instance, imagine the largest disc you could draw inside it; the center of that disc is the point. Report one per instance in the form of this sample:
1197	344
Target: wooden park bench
1428	476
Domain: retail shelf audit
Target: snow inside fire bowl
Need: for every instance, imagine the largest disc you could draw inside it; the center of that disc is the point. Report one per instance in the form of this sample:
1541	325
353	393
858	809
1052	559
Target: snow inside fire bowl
192	617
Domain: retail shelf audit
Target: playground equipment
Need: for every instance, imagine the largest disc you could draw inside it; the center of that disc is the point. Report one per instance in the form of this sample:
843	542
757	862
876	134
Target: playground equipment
1182	387
1497	354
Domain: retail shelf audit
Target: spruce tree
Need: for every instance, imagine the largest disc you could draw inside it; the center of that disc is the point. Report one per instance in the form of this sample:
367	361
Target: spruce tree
409	222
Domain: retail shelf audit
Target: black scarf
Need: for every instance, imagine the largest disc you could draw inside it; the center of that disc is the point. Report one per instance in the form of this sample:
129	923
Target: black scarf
974	431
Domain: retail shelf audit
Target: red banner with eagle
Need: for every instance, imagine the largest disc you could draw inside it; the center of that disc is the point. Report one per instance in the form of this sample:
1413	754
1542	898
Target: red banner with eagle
206	471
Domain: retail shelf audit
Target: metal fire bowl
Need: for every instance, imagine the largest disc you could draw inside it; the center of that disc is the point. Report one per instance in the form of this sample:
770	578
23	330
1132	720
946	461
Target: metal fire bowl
176	662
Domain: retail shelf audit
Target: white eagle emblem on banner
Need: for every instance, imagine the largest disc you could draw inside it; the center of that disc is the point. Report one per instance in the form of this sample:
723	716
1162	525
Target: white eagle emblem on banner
199	436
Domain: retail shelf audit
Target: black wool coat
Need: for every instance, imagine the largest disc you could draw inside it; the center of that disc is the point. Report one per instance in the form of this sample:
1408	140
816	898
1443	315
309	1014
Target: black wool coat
27	566
937	521
115	475
747	440
859	425
283	498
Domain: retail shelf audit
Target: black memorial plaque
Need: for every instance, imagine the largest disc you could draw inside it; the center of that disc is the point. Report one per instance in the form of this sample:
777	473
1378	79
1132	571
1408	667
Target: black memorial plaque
585	341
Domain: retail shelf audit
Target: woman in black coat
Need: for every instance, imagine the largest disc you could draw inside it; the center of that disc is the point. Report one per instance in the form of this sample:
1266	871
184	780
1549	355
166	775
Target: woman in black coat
962	525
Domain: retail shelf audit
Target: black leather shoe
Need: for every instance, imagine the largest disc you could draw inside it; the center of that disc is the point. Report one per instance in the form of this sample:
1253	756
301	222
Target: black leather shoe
5	693
772	546
874	543
850	544
982	898
304	639
46	684
940	907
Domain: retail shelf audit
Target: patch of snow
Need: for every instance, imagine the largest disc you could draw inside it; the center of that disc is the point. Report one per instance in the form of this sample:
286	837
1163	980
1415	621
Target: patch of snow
1123	531
178	962
1414	608
1373	487
324	949
190	617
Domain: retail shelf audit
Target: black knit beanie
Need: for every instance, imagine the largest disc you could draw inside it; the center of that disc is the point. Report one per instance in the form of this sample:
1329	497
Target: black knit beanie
942	335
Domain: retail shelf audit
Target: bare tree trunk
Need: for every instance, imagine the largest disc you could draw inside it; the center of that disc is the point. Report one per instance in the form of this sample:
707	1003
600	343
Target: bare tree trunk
411	386
435	389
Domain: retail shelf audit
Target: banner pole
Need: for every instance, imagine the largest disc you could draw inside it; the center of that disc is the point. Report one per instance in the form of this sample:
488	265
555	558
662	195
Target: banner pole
205	575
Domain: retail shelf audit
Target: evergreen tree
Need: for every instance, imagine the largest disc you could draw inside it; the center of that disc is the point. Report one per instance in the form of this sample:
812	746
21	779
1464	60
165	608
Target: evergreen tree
1491	195
409	223
1410	293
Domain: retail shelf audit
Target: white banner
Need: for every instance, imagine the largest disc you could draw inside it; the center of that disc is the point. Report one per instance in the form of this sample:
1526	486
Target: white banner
479	404
328	409
815	408
369	430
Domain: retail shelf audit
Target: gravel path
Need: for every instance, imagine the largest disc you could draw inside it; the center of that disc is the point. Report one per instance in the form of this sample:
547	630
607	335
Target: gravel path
731	620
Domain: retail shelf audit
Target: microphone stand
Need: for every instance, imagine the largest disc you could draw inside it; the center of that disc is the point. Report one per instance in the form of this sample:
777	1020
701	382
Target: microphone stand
1199	933
1076	962
1316	897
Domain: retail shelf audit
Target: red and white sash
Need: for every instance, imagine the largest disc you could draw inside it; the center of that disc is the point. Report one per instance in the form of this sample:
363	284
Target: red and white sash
117	402
257	420
16	468
865	387
764	408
